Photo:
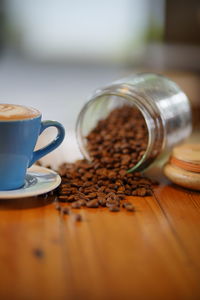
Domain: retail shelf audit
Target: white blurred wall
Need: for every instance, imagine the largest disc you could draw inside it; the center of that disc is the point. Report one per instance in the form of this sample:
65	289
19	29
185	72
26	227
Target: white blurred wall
89	30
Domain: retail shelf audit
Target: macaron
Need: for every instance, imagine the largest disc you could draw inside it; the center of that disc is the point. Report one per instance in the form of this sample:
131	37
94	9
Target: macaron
183	167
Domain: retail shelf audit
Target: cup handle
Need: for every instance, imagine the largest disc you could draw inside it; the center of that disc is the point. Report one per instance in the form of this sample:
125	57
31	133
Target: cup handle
51	146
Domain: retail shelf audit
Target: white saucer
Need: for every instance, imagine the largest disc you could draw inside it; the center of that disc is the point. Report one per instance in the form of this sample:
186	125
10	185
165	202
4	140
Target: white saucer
39	180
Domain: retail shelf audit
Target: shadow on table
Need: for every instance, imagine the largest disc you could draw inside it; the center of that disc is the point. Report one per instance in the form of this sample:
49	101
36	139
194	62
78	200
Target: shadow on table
25	203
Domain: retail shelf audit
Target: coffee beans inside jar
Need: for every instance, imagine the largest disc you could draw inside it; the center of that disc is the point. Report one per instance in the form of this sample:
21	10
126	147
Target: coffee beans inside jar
119	141
115	145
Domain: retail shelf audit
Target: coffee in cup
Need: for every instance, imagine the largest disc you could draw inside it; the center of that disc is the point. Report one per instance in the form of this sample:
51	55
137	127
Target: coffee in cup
11	112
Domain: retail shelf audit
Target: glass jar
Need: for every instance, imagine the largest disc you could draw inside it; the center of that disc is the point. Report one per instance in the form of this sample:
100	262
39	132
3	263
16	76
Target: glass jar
164	106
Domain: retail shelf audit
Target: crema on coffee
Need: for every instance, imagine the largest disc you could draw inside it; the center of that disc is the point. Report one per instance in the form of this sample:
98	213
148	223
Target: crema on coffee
9	112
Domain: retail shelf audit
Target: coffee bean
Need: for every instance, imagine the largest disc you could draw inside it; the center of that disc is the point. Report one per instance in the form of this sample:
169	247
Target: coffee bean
102	189
109	190
58	207
141	192
91	195
122	173
92	204
65	210
39	253
134	193
121	189
149	192
102	201
112	203
77	217
99	194
82	202
100	183
129	206
114	208
112	174
87	184
76	204
111	195
63	198
128	192
88	175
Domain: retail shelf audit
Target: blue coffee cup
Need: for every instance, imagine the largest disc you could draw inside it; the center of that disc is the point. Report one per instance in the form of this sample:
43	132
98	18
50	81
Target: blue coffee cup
17	142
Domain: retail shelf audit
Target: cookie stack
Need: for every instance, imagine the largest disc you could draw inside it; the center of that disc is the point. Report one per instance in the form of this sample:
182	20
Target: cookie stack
183	167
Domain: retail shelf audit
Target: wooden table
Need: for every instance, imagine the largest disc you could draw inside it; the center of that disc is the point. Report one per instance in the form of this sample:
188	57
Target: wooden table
153	253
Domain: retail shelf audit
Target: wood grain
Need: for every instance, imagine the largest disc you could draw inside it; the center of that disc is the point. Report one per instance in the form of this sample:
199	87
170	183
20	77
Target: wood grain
153	253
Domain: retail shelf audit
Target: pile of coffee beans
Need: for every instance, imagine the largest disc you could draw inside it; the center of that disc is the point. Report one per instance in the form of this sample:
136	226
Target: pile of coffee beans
115	145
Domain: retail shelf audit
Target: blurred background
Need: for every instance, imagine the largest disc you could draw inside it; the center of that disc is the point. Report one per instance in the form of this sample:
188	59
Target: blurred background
54	54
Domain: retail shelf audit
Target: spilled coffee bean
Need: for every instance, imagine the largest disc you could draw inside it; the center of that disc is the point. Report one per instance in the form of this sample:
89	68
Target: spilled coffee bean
65	210
115	145
39	253
114	208
77	218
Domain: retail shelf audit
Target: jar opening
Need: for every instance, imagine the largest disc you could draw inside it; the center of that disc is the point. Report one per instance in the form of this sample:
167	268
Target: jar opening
117	127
